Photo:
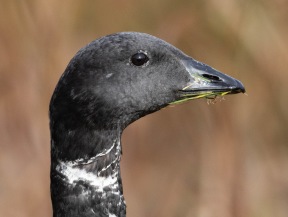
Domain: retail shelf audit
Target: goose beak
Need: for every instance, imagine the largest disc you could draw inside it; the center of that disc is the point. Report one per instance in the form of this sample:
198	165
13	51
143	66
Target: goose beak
207	82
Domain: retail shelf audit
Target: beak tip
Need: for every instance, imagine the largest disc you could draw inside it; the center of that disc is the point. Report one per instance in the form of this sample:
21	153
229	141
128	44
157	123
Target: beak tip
238	88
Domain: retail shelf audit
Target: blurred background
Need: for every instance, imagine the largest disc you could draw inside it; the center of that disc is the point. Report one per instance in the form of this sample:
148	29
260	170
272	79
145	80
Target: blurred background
228	159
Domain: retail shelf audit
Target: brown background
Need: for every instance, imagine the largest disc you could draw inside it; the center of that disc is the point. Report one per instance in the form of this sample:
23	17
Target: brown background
199	160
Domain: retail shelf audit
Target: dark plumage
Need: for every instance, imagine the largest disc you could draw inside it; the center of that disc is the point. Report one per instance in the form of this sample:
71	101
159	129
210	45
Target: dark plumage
110	83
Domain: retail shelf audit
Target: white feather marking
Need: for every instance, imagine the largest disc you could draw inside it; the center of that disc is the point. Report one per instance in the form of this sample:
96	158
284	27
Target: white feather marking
109	75
74	174
105	152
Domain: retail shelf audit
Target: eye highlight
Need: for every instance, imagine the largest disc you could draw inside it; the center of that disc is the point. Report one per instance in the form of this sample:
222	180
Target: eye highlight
139	59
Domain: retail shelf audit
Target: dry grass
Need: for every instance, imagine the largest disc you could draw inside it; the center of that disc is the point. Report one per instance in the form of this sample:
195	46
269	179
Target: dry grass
222	160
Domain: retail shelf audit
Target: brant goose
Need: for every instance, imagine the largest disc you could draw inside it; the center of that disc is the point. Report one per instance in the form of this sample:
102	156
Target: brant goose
108	84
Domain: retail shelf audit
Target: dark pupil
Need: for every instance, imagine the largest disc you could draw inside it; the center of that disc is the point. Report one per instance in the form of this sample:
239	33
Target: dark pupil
139	59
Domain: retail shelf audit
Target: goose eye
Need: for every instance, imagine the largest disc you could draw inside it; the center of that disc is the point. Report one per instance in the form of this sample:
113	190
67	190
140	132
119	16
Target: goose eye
139	58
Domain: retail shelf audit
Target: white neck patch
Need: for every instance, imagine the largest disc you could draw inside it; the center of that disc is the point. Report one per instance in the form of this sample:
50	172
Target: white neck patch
73	174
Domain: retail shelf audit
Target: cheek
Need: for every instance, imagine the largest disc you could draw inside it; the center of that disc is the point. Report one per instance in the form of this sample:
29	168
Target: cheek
179	79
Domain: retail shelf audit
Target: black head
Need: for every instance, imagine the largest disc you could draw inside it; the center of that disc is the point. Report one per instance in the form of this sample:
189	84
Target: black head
121	77
110	83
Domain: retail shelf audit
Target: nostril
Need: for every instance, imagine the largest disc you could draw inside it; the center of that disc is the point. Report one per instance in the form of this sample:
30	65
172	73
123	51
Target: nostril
211	77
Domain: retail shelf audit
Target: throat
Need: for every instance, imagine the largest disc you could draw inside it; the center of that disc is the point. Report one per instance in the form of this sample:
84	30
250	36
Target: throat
89	186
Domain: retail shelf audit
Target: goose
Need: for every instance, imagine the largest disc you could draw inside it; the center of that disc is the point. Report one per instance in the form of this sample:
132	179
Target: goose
108	84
